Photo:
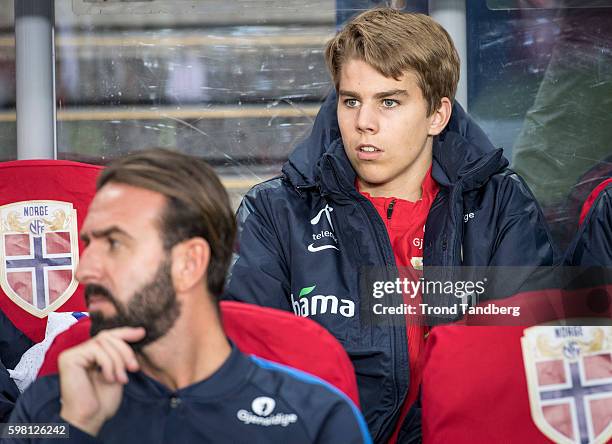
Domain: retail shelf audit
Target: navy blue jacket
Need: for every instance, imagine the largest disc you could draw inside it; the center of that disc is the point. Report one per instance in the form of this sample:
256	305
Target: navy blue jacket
8	393
13	344
592	245
307	238
248	400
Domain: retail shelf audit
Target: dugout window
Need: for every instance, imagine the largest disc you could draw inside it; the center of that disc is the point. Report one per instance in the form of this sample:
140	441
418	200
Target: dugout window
540	85
238	83
8	129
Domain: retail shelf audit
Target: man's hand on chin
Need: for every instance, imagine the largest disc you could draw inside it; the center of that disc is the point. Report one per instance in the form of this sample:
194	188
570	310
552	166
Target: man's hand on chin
92	376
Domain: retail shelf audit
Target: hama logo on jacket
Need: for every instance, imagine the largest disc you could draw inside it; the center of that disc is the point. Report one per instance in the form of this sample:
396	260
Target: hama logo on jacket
261	414
569	378
306	305
39	254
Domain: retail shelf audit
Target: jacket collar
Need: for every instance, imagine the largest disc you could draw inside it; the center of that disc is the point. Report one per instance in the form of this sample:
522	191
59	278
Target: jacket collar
457	161
462	154
301	167
237	368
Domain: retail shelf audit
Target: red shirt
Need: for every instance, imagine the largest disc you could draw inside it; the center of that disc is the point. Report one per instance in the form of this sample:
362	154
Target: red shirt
405	223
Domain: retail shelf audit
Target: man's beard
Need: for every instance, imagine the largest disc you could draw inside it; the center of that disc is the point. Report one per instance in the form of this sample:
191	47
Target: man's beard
153	307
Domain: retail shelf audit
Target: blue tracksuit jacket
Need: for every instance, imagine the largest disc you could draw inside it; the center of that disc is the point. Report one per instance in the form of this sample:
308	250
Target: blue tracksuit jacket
248	400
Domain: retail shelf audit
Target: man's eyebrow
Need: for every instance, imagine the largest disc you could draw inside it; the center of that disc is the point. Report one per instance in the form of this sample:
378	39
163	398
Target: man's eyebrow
344	92
392	92
104	233
380	95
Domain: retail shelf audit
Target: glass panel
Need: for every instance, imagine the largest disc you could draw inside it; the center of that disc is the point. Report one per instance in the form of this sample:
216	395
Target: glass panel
541	86
547	4
239	87
345	9
8	129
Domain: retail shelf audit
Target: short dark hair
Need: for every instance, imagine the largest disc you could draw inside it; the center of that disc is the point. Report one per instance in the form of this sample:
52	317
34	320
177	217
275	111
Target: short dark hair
197	203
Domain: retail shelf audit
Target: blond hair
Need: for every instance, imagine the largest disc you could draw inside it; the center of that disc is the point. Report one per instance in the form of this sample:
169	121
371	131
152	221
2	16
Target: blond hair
395	42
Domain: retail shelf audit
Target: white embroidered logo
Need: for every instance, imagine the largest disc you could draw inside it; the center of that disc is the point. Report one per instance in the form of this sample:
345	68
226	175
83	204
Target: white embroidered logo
327	210
263	405
323	233
262	408
467	217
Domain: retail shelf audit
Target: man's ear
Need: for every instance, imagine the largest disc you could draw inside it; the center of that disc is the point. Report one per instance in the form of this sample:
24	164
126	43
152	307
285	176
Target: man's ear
190	261
440	117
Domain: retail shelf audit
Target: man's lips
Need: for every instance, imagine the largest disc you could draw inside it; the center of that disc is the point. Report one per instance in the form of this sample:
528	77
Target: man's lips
94	300
368	151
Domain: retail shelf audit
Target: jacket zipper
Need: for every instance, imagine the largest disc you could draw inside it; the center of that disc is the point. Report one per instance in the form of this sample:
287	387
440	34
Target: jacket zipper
363	202
456	242
399	399
390	209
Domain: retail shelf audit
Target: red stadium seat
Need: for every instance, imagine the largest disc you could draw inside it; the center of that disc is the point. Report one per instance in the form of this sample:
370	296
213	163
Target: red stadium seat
268	333
548	384
42	206
532	385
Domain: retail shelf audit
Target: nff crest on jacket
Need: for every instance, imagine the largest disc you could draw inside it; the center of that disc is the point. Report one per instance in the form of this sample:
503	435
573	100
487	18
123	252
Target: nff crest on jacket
306	237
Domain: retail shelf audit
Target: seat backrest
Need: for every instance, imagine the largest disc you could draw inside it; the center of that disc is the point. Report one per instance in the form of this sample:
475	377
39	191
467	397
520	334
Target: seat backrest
268	333
540	384
42	206
517	385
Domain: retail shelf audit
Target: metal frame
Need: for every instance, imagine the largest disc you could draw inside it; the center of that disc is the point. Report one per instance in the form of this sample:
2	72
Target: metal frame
35	79
452	15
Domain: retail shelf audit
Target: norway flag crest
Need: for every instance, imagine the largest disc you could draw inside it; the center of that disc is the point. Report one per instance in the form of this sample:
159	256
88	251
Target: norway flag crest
39	254
569	377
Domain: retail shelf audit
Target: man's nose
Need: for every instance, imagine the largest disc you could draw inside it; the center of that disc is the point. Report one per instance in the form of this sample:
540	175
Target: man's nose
367	119
90	267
